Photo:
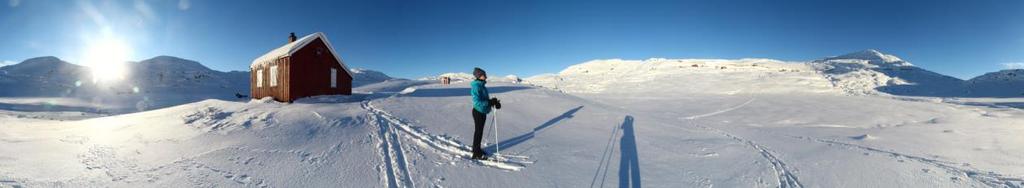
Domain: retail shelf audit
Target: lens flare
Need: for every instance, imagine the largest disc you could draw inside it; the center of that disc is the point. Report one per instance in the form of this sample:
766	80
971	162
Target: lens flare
106	59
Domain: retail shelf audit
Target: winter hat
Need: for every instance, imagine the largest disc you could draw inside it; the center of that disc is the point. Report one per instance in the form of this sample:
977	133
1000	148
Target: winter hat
477	72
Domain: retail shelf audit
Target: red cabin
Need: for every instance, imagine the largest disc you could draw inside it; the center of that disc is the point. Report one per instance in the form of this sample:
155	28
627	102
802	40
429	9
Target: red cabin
304	67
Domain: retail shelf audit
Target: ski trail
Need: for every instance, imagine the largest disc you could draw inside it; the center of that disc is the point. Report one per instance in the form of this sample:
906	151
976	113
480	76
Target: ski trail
989	178
786	176
443	144
720	111
403	161
787	179
395	169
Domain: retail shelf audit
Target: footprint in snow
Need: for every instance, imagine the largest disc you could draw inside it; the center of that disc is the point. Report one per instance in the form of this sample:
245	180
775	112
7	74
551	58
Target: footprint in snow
864	137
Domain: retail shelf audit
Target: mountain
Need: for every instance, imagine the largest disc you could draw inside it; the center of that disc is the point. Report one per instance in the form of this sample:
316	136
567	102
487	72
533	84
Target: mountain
690	76
873	56
152	83
873	72
157	82
462	76
455	76
365	76
867	72
172	74
1004	83
41	76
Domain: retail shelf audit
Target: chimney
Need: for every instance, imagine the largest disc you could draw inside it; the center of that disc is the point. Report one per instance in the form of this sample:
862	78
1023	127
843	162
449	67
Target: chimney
291	38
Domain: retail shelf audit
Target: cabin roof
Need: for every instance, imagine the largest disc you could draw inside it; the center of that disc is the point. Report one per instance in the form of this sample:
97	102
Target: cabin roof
292	47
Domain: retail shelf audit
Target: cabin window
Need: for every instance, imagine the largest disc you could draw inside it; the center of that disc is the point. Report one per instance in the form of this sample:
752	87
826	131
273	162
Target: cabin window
259	77
273	76
334	78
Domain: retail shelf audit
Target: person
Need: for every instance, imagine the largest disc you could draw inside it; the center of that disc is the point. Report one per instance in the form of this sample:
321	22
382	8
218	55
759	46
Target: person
482	104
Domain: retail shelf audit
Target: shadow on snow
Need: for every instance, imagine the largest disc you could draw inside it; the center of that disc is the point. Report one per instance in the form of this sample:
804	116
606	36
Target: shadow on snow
629	160
508	143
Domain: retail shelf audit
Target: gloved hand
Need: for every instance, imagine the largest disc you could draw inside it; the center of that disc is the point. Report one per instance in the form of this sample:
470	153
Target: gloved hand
495	103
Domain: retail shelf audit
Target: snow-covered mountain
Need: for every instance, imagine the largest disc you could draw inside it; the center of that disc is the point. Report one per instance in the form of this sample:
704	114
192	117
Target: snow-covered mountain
873	72
152	83
455	76
867	72
1004	83
462	76
41	76
674	76
365	76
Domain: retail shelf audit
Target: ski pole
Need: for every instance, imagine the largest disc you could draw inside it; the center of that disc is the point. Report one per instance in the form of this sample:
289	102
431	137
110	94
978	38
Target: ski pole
497	146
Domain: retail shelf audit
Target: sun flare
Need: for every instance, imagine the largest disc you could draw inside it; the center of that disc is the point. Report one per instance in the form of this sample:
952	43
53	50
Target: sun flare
106	59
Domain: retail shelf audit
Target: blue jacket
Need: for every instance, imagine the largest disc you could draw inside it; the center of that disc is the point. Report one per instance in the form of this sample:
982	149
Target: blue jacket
481	98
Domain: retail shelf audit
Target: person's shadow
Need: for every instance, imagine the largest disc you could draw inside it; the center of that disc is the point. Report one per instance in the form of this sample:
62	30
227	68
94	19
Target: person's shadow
508	143
629	162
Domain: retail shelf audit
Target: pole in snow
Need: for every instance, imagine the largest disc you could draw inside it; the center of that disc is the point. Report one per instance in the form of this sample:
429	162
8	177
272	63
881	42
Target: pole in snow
497	147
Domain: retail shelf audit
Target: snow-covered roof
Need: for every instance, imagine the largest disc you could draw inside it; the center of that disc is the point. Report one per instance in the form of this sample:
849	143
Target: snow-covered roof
292	47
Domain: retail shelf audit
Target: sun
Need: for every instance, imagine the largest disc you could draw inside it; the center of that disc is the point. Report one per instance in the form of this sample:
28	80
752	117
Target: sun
106	59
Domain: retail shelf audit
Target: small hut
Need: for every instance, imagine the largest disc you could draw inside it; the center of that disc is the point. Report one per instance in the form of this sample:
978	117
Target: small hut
303	67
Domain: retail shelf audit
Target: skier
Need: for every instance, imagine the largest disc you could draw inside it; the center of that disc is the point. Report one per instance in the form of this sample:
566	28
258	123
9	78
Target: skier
482	103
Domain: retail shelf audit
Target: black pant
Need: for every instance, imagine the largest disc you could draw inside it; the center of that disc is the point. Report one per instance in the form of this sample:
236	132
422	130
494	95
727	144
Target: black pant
479	119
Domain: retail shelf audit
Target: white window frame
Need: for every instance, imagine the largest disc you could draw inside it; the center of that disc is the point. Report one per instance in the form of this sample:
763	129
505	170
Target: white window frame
334	78
259	78
273	76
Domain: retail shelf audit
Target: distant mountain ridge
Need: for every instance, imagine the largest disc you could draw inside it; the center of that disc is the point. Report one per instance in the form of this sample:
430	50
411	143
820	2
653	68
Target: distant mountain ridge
151	83
866	72
870	72
997	84
166	80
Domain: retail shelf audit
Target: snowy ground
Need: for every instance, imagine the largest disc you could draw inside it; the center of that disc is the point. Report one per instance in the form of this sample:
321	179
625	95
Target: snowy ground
418	138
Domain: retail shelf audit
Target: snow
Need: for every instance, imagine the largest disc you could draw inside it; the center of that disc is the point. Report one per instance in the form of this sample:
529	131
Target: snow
408	90
292	47
604	123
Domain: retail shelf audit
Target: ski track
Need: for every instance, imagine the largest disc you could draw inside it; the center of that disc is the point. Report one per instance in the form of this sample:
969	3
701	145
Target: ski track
720	111
396	168
106	161
442	144
989	178
786	177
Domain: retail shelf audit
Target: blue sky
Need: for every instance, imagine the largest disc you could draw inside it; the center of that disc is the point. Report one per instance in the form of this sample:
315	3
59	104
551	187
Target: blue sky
419	38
